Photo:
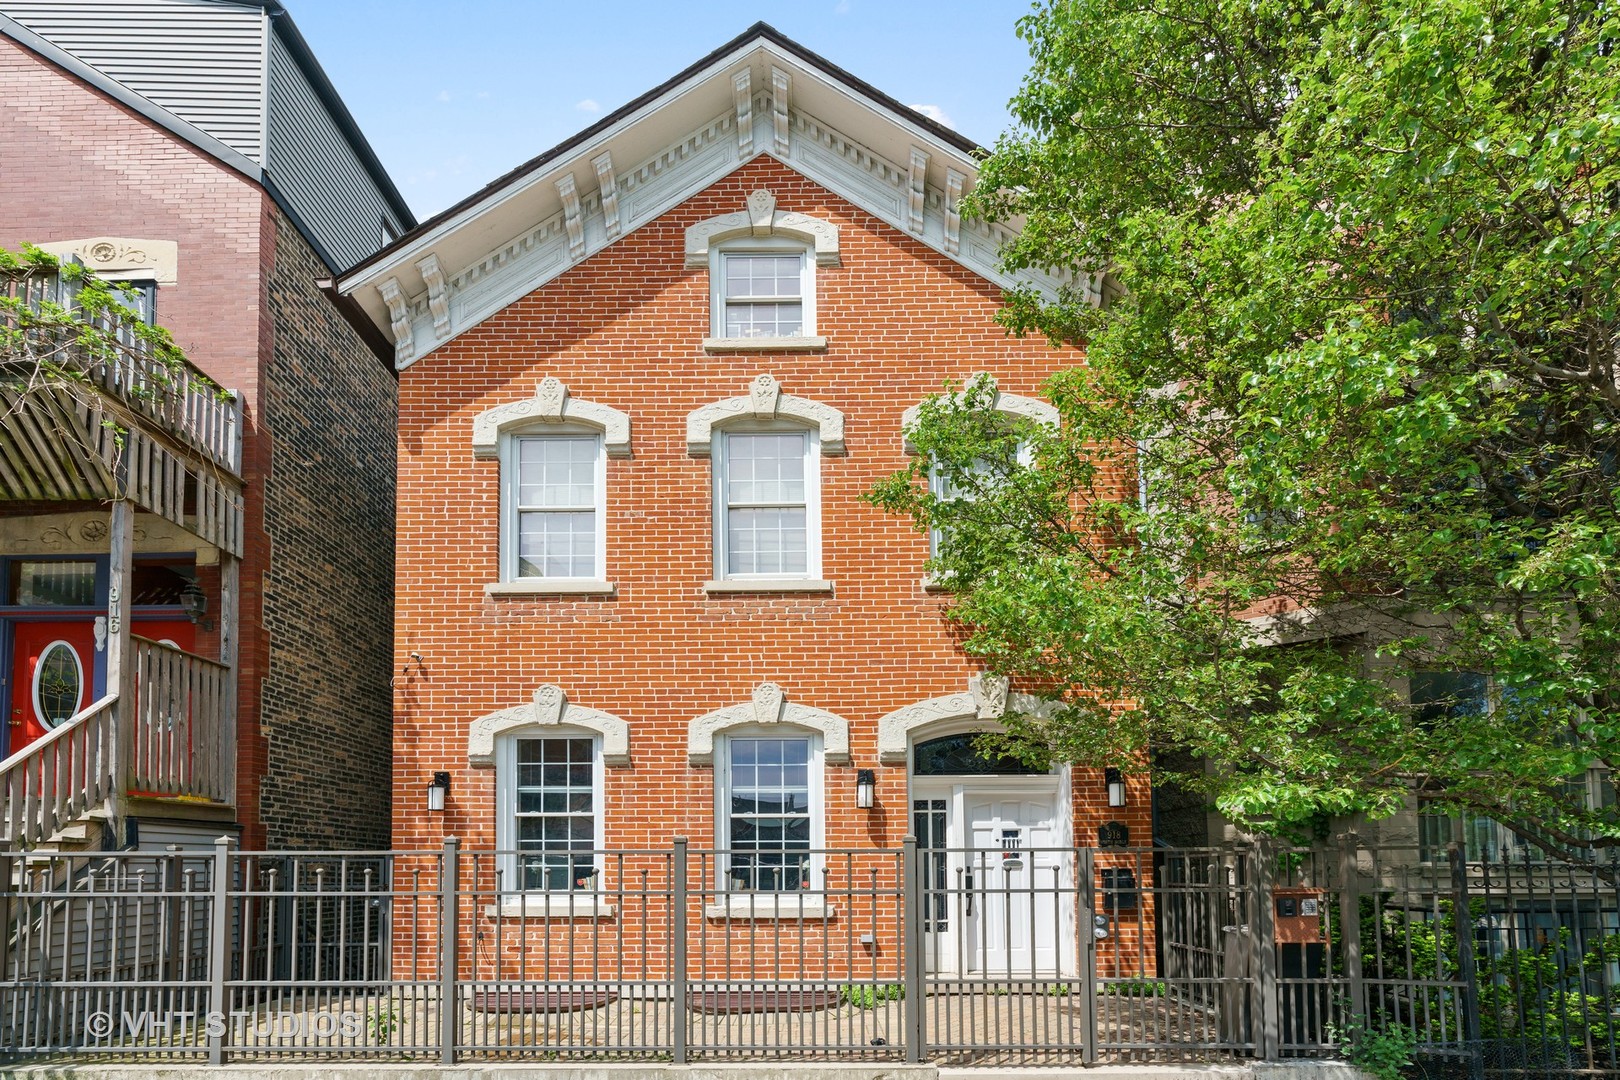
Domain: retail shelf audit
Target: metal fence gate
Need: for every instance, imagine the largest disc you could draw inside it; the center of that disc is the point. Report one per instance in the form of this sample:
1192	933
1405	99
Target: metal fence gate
984	955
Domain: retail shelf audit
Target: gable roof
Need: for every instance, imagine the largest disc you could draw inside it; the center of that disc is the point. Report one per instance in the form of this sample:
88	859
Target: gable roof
759	93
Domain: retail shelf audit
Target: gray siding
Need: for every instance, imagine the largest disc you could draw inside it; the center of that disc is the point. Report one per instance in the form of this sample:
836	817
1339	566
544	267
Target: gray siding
204	62
316	171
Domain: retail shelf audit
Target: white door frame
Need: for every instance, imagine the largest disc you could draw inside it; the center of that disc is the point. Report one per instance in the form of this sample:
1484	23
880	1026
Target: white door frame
943	948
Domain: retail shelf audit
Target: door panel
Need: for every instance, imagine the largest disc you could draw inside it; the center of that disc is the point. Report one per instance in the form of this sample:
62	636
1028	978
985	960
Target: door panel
177	632
53	667
1019	888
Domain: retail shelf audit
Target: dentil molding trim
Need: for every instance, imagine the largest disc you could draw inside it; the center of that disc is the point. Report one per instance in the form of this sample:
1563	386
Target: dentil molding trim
768	706
764	401
551	404
550	708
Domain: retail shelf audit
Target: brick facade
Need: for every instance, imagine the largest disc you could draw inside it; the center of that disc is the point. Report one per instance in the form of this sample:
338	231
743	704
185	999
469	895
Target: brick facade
317	456
328	591
624	328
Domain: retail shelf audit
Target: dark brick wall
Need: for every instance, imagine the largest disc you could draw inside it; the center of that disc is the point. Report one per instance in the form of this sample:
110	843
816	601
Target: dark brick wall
326	703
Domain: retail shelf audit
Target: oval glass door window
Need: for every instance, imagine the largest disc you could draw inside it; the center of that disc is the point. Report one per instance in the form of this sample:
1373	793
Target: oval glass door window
58	681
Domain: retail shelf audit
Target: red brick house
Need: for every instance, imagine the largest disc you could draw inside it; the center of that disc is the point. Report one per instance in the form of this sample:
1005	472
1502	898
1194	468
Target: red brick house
645	379
214	655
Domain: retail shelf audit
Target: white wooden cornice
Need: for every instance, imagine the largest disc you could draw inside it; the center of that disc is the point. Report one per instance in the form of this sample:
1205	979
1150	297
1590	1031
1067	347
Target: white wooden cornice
753	111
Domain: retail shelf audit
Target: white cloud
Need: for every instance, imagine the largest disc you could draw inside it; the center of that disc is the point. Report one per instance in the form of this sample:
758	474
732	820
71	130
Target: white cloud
482	94
587	106
444	95
841	8
934	113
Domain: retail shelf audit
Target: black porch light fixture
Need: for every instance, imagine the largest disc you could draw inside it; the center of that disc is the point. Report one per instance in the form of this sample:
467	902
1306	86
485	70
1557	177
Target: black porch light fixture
437	789
1116	786
194	602
865	789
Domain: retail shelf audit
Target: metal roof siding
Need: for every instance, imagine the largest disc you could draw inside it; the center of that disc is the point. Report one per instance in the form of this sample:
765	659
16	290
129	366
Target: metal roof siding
316	169
202	61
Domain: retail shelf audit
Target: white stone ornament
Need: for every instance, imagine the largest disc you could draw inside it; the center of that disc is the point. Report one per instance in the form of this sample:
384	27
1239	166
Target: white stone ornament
989	695
763	394
761	211
548	704
548	708
768	701
768	705
550	397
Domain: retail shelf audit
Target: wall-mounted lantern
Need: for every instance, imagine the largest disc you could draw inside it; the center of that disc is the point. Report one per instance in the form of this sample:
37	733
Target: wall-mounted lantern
194	602
1116	786
865	789
438	788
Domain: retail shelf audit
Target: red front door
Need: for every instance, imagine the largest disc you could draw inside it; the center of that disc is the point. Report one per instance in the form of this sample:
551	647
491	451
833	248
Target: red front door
53	668
177	632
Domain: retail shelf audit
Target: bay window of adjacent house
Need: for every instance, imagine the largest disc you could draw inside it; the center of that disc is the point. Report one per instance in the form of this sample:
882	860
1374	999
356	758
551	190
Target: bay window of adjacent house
555	507
769	812
550	793
767	513
1446	695
761	290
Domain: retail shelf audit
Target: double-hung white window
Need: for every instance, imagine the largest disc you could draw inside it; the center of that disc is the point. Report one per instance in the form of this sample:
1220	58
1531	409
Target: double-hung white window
770	821
767	503
550	792
555	508
762	291
979	480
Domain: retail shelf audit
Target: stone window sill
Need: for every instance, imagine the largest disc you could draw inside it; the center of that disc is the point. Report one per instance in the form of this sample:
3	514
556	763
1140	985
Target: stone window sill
764	344
770	906
543	587
551	906
767	585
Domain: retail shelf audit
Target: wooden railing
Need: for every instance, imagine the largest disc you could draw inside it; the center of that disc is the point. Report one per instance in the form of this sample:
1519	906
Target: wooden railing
178	398
177	743
55	780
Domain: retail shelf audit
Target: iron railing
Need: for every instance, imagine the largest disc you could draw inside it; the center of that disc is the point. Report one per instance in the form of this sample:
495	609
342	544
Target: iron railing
962	956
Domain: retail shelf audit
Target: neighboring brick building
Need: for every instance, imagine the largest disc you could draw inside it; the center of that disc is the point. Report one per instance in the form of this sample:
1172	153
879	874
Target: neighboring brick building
215	169
639	591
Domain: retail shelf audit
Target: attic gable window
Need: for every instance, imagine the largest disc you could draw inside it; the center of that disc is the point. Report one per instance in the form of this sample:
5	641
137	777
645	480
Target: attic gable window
762	276
763	294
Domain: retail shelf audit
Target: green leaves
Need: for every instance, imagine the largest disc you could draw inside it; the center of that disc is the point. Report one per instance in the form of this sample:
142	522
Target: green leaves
1365	367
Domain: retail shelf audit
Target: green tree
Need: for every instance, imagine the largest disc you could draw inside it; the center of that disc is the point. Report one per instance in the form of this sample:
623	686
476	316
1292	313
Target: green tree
1364	364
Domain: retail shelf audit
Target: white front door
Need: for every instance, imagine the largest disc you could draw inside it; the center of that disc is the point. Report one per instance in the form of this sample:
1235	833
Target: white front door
998	888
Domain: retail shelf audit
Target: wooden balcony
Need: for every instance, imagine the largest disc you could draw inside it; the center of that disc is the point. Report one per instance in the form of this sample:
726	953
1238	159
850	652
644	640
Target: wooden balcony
116	421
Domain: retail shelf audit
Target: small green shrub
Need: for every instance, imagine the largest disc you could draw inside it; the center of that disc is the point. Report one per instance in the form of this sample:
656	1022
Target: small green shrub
1136	988
1379	1053
871	995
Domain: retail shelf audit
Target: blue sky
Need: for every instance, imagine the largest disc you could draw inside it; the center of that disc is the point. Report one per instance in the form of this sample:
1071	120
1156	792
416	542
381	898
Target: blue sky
451	95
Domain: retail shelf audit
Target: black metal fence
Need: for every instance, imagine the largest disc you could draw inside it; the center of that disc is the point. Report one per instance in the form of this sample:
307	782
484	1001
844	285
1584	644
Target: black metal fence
1500	969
